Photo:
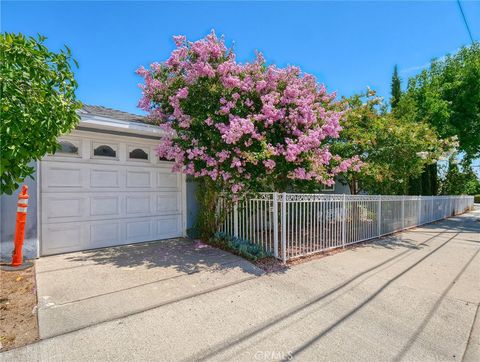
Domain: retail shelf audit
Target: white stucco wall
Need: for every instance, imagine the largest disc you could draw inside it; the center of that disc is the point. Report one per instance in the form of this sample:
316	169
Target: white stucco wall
8	215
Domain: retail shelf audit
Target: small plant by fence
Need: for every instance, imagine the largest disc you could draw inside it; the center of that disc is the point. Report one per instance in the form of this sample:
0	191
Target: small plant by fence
294	225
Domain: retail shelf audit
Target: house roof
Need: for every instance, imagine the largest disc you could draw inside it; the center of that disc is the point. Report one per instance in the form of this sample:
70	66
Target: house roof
101	111
110	120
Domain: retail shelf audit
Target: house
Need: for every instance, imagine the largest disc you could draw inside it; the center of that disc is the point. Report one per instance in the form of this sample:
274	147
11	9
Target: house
104	187
337	188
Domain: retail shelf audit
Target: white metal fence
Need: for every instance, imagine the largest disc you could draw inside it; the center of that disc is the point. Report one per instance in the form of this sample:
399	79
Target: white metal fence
294	225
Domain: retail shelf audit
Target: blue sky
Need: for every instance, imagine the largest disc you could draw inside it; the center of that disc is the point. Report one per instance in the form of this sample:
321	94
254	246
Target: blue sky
346	45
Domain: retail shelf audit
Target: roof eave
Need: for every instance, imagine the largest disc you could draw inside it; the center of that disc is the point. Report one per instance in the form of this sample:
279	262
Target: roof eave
105	123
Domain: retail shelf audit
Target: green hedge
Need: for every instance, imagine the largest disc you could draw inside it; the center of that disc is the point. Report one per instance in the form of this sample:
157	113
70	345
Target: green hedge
477	199
244	248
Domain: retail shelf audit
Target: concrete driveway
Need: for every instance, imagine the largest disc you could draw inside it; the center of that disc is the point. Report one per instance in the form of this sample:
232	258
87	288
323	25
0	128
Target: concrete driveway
412	297
78	290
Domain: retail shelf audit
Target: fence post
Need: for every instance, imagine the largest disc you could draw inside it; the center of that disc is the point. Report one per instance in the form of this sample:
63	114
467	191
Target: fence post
344	220
379	215
275	224
419	210
403	212
432	214
235	219
284	227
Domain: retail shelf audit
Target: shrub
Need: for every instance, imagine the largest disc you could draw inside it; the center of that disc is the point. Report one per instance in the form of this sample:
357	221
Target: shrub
242	247
476	199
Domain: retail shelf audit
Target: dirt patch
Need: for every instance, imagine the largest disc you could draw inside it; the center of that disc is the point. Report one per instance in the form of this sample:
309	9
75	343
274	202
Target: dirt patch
18	308
271	265
319	255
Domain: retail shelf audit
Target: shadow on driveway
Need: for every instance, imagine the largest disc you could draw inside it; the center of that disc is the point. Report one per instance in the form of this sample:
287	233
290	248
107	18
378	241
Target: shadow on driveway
181	254
84	288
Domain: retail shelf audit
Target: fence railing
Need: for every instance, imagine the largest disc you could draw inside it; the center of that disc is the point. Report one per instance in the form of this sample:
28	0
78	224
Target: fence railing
294	225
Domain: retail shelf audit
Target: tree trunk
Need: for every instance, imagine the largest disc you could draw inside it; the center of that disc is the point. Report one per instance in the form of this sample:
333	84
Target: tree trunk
207	197
352	185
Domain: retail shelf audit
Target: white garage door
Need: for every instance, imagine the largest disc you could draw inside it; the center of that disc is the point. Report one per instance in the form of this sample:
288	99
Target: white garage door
98	193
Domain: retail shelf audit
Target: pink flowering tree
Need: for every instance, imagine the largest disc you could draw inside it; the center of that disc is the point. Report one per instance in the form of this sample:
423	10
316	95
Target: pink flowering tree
242	127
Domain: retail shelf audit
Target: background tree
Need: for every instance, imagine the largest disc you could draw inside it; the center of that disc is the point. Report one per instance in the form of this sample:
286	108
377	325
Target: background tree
241	127
459	179
359	134
447	96
396	90
394	150
37	93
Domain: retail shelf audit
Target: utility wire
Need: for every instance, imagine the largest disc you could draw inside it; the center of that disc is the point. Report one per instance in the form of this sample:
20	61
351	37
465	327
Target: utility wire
465	20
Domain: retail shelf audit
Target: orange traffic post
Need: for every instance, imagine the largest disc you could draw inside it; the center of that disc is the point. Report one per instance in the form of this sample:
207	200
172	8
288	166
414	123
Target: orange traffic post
17	258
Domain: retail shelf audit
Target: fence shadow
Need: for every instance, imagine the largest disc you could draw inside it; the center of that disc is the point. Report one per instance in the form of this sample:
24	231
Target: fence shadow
392	242
466	223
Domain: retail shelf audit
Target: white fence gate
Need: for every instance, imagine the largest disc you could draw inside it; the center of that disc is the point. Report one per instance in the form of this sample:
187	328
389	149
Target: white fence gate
293	225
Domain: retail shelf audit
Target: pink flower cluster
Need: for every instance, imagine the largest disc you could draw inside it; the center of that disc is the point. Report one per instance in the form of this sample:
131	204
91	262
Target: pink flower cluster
240	123
236	129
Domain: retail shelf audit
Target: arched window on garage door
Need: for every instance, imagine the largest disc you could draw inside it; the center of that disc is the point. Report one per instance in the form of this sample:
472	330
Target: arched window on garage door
67	148
138	154
104	151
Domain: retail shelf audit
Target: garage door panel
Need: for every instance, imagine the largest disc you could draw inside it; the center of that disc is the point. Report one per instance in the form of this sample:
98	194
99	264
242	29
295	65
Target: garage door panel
140	230
167	180
105	233
138	204
105	205
100	178
63	207
68	177
168	203
63	238
139	179
168	227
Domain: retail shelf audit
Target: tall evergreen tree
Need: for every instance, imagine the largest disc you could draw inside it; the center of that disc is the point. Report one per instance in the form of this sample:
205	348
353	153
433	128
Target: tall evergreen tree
396	88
